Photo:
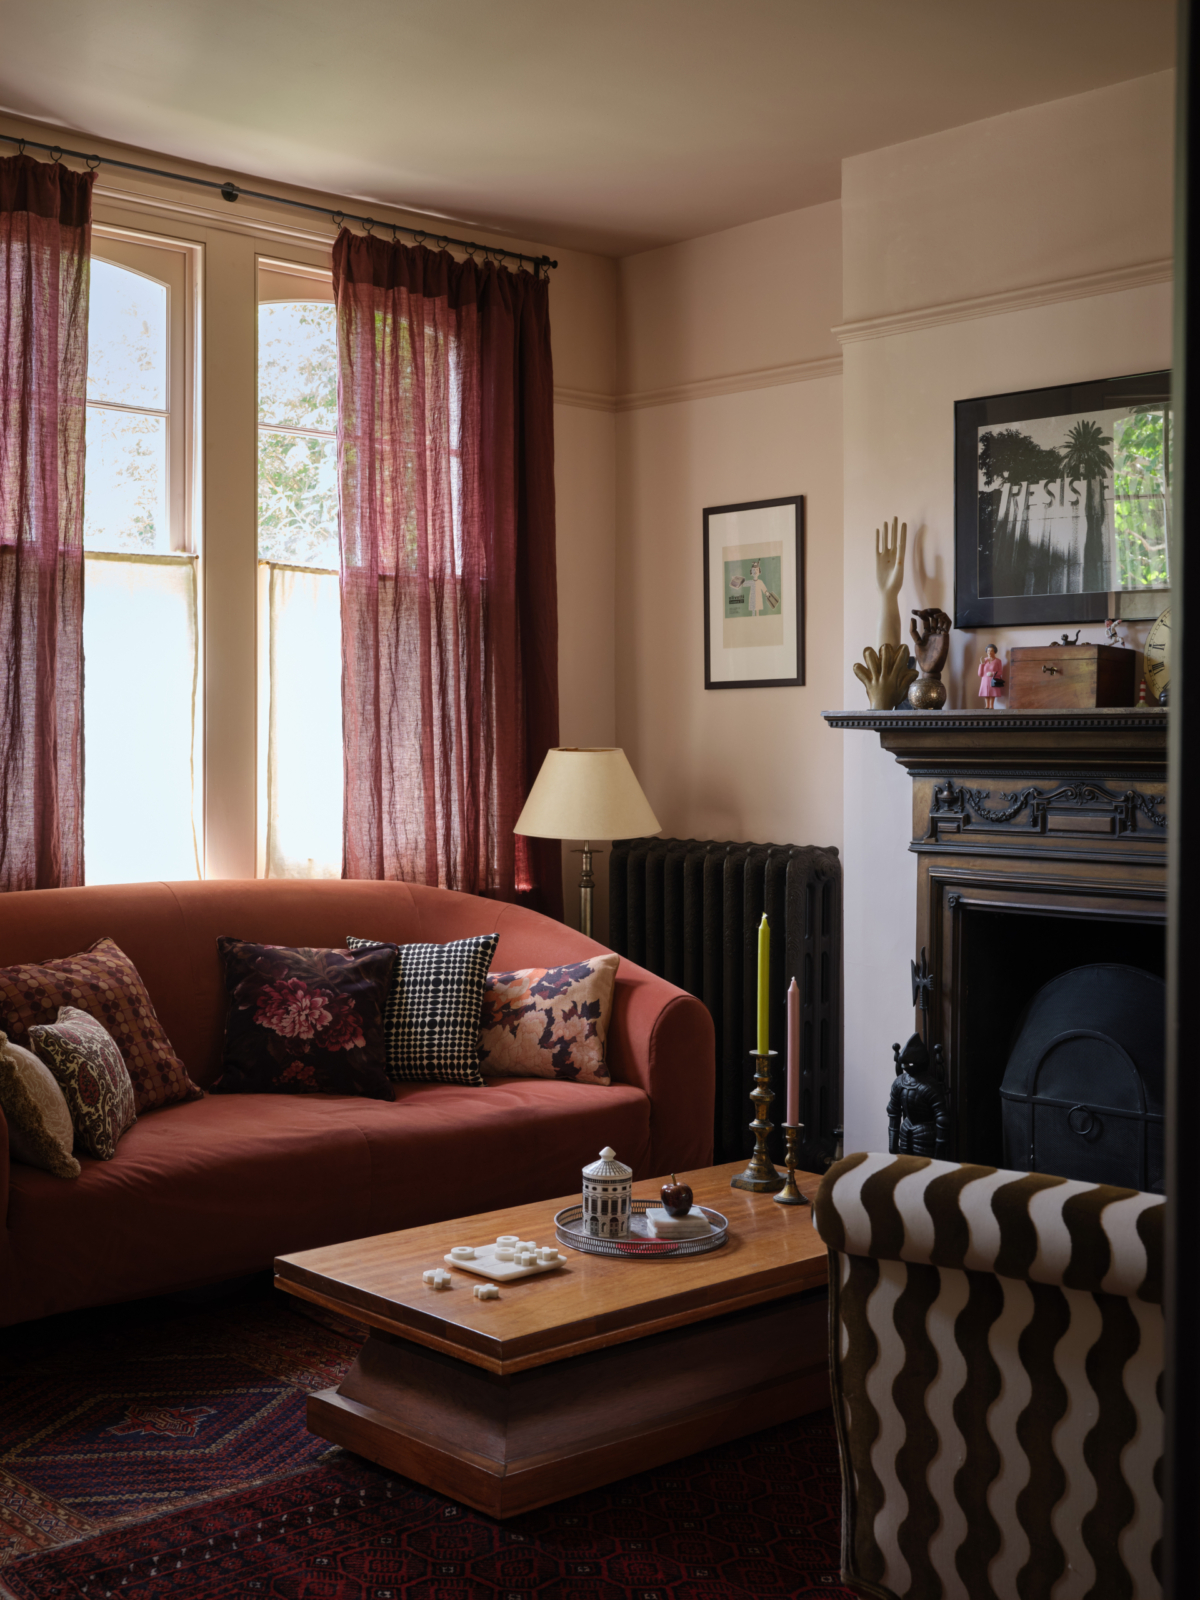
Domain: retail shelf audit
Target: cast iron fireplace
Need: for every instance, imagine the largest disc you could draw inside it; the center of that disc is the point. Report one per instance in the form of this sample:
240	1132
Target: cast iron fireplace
1041	840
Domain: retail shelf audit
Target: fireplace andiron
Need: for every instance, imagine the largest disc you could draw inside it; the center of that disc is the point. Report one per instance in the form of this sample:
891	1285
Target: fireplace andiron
919	1104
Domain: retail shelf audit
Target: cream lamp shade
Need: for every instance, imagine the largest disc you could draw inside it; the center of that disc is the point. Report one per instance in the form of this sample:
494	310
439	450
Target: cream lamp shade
586	794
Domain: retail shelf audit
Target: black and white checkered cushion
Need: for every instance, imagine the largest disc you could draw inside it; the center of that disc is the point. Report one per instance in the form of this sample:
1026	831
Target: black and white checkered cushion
431	1020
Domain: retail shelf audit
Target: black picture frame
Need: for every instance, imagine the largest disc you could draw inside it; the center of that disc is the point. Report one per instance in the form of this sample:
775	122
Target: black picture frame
971	541
716	657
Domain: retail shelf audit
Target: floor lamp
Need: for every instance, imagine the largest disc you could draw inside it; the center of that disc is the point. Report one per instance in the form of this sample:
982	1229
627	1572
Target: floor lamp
586	794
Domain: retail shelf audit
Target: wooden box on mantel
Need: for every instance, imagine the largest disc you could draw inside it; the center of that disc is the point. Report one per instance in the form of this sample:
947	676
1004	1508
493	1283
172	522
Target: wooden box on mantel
1070	677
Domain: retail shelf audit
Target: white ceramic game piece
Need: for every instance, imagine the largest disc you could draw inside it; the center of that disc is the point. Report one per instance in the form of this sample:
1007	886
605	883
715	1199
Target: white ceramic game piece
463	1252
526	1244
438	1278
509	1240
546	1255
504	1252
486	1291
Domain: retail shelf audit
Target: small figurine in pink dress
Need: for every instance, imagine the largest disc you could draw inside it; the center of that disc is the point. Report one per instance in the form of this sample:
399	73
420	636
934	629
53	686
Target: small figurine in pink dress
990	680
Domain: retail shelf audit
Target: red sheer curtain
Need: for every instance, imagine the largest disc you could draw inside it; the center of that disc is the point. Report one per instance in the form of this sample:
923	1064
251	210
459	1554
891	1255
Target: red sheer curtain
449	593
45	242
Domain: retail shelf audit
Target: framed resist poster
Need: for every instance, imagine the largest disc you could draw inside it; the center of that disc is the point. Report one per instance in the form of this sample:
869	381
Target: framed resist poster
1062	502
754	594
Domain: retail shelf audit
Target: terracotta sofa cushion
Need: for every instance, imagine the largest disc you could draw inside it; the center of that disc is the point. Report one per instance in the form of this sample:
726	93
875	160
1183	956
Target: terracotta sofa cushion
216	1188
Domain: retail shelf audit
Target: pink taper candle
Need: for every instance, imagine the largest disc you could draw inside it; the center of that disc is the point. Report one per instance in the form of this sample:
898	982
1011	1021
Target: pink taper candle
793	1054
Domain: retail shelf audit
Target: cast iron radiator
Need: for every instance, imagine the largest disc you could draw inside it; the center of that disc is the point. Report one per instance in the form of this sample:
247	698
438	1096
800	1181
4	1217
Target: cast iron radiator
688	910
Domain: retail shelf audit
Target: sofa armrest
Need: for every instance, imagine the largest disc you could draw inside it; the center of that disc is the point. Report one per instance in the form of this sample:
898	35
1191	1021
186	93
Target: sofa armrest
662	1039
1030	1225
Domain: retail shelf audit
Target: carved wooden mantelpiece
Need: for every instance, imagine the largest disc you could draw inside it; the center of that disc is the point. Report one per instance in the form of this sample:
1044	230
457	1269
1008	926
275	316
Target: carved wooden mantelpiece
1051	813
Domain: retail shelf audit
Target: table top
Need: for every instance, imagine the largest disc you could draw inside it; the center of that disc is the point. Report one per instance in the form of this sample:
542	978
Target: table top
587	1304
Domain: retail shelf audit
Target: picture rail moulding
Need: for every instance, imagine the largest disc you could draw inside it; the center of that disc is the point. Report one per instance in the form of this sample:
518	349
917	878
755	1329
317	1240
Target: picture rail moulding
1081	287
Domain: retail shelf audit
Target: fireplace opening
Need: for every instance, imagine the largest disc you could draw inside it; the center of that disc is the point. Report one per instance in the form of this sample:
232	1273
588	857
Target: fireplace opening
1006	959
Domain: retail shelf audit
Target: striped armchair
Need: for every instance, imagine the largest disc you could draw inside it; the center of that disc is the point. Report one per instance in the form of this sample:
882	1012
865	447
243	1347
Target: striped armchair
996	1364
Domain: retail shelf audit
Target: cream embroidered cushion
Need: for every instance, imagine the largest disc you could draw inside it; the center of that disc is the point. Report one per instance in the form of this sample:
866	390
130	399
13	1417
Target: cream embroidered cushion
39	1123
549	1022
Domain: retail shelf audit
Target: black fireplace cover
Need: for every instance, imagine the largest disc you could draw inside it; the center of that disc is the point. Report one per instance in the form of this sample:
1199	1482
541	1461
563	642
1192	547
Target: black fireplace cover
1082	1095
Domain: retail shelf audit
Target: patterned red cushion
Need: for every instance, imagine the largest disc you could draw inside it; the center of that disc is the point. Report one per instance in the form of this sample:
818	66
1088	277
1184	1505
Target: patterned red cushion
103	982
549	1022
305	1021
84	1058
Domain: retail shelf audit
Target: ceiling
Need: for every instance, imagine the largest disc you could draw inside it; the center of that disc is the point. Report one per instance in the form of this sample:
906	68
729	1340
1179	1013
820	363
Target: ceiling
610	125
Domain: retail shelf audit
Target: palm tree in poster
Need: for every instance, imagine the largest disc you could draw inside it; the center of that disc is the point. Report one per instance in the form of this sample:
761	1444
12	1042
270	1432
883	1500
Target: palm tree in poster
1085	456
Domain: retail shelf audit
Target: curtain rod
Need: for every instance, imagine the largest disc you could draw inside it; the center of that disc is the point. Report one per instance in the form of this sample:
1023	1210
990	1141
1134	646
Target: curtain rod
230	191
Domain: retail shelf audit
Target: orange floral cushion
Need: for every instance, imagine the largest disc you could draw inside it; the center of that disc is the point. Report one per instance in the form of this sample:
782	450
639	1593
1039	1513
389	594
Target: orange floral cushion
549	1022
103	982
85	1060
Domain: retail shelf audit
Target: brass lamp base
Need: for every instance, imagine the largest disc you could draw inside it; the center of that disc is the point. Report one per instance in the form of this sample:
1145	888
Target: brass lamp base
761	1175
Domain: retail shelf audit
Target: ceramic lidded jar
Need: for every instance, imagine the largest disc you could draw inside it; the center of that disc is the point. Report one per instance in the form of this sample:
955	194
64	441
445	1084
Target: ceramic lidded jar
607	1188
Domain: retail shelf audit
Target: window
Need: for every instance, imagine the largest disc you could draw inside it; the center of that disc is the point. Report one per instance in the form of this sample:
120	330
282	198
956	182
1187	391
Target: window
300	634
140	634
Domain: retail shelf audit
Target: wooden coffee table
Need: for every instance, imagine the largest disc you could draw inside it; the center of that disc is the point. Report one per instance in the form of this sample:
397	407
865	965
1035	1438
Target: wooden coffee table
579	1377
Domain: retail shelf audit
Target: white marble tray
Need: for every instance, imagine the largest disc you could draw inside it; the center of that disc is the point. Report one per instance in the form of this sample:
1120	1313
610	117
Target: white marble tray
485	1265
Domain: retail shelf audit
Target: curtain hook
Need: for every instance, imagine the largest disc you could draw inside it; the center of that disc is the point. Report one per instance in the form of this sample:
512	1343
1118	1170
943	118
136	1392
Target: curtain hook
471	248
367	224
20	147
442	241
55	154
395	235
91	162
339	218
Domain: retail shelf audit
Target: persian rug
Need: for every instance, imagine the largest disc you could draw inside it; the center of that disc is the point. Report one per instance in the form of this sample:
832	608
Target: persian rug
116	1414
159	1451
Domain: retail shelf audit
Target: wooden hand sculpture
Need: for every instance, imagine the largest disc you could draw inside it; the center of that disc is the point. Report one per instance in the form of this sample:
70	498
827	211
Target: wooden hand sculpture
889	575
886	675
932	641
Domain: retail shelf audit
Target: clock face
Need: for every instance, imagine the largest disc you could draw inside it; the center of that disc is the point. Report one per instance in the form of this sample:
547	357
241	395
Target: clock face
1158	654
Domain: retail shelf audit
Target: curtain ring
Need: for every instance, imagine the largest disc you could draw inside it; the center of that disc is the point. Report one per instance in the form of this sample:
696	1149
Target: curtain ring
367	224
20	147
471	248
55	154
420	235
442	240
339	218
395	235
91	162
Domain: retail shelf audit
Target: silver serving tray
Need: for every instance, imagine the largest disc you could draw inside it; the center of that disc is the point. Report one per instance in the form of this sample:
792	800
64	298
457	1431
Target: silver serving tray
641	1243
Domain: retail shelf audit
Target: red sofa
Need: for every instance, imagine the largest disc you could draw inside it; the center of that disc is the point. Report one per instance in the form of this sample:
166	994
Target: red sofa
217	1188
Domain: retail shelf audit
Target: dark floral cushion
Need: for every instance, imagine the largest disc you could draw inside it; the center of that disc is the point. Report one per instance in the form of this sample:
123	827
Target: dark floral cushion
549	1022
91	1072
104	982
305	1021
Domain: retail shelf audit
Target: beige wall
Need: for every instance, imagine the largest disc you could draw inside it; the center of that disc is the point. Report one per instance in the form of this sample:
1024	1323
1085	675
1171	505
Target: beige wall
231	239
1022	251
729	392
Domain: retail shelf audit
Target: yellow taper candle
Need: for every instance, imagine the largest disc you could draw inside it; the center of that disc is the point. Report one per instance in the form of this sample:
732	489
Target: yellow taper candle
764	984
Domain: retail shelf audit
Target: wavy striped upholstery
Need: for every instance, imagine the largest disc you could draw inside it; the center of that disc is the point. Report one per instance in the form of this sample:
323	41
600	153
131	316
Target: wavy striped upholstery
996	1358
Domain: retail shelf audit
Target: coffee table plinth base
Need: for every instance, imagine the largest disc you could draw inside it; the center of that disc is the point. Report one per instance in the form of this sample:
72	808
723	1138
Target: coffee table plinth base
506	1445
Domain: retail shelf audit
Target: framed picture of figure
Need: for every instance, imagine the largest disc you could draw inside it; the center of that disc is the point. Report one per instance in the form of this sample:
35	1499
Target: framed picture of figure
1062	502
754	594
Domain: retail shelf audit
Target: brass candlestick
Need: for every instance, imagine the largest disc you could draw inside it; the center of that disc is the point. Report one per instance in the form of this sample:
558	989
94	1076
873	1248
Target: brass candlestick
789	1195
760	1175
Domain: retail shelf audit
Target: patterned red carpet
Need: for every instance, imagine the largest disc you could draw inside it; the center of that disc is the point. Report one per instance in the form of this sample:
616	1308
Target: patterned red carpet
159	1450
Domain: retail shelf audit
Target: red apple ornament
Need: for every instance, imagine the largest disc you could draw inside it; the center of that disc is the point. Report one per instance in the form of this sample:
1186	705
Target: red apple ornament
676	1198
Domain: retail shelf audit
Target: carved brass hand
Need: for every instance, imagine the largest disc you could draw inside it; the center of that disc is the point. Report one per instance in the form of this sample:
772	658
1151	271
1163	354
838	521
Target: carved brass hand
933	641
886	675
889	575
